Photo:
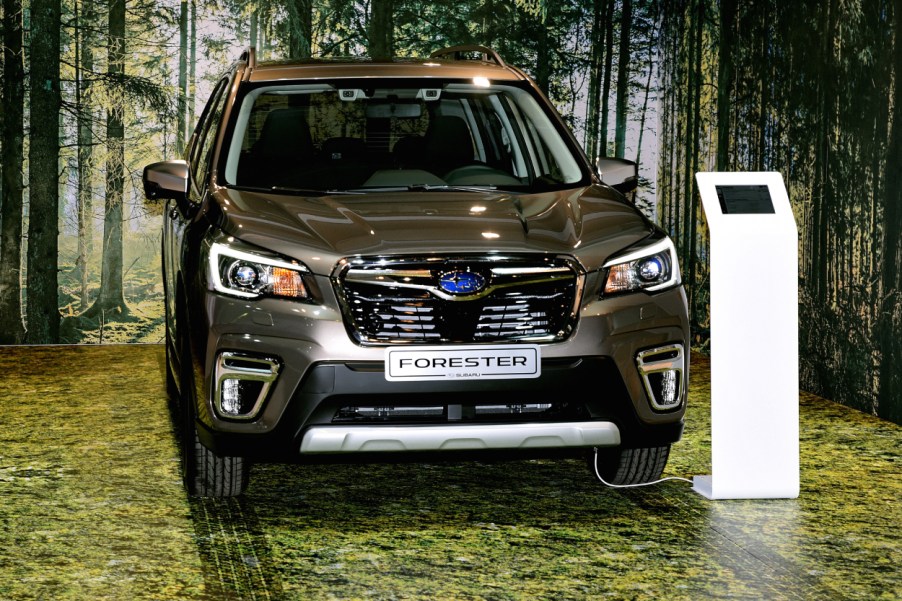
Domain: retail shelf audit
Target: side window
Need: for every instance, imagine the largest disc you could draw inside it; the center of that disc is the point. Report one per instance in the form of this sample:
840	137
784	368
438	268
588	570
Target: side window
205	134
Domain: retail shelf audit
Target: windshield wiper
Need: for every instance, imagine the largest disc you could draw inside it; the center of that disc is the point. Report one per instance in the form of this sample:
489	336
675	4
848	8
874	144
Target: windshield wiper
424	188
309	191
290	190
440	187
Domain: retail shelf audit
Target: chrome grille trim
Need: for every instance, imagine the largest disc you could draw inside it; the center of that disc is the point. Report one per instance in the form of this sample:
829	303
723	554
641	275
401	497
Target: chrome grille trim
389	300
407	278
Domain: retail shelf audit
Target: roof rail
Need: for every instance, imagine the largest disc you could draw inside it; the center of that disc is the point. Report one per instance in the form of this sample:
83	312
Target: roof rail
249	58
457	52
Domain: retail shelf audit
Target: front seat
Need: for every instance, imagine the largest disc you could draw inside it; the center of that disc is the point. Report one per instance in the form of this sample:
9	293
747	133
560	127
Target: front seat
283	149
448	144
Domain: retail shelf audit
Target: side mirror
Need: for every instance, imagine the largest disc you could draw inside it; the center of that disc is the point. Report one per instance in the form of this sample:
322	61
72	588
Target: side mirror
167	179
620	174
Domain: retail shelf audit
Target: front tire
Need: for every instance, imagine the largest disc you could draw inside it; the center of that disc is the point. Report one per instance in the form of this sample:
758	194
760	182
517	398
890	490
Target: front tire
621	466
172	389
205	473
212	475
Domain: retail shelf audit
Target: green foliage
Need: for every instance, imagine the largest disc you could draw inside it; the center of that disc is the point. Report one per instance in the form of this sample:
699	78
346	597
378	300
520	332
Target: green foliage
143	291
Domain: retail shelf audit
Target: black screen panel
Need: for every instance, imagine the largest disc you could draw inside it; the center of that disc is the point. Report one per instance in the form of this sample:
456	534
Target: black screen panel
744	200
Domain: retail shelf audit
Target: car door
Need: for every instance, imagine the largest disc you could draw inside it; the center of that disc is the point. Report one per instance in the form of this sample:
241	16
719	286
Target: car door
177	219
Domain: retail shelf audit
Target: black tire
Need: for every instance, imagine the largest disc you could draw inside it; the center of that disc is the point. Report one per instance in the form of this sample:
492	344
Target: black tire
630	466
205	473
172	389
212	475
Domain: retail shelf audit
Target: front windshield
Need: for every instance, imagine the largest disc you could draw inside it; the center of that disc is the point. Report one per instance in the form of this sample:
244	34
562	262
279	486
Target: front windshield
354	135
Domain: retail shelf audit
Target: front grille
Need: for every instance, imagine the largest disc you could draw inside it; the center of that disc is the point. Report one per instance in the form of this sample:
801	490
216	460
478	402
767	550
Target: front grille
460	299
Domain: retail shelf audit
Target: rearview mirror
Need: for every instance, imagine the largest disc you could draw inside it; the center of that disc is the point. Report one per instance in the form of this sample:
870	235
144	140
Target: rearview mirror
386	110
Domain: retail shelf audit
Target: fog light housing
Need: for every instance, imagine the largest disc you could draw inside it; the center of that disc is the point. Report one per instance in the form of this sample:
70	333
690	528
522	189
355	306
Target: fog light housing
662	370
243	382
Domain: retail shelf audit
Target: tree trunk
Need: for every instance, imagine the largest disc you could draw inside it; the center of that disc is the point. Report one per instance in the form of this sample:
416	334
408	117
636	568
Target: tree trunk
111	298
192	69
644	113
255	20
43	174
181	101
606	86
381	30
725	81
889	402
488	23
300	28
623	77
84	111
543	59
12	127
765	78
596	68
263	32
690	112
819	196
696	150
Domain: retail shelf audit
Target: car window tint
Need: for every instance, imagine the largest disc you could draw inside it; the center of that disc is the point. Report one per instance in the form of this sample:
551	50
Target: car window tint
325	136
205	133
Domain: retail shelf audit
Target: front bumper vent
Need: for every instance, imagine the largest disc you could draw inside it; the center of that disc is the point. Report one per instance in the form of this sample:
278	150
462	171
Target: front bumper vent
451	412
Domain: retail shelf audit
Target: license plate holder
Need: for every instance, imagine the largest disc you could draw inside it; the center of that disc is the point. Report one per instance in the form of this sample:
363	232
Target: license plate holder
465	362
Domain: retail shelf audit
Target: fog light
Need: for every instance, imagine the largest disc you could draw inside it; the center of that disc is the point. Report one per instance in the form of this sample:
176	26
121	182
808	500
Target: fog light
231	400
243	382
661	370
669	387
664	387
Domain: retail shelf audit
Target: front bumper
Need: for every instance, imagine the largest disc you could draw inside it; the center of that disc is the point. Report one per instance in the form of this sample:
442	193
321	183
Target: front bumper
592	378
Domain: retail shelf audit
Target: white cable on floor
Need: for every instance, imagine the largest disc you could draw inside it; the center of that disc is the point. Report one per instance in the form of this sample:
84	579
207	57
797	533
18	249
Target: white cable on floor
602	480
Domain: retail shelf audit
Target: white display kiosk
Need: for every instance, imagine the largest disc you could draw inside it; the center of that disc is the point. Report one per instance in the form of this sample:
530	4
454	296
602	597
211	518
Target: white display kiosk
754	337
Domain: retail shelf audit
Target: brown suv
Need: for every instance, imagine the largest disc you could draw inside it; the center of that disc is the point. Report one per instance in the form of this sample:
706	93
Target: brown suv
372	260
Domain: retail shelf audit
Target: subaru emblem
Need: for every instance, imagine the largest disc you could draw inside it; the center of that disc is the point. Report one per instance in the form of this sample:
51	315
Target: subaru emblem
461	282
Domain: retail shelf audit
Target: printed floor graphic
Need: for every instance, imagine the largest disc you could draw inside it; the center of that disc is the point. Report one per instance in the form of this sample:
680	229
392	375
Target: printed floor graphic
91	508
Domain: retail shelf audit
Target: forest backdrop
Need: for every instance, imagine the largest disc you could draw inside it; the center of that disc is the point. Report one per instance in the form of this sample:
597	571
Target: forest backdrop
92	90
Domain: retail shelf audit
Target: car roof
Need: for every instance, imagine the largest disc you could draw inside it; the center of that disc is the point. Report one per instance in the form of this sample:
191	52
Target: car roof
398	68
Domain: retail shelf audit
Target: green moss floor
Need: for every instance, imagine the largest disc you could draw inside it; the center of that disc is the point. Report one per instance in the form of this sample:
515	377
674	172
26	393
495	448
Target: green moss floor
91	508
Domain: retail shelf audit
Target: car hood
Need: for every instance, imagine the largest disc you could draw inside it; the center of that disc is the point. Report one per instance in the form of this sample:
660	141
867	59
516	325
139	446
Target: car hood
590	223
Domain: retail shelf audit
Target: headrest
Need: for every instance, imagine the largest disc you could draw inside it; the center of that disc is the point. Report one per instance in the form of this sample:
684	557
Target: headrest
285	132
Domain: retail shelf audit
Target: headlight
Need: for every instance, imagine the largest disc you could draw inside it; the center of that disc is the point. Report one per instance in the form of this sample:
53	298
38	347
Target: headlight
238	271
650	268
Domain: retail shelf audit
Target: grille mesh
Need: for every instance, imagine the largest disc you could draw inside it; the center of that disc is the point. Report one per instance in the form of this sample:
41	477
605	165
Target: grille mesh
531	300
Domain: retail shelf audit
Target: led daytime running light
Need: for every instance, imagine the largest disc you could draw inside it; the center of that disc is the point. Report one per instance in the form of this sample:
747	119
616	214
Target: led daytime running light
273	276
630	272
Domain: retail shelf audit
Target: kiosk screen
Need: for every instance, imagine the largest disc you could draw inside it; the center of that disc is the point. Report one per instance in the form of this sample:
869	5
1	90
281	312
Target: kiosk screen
744	199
